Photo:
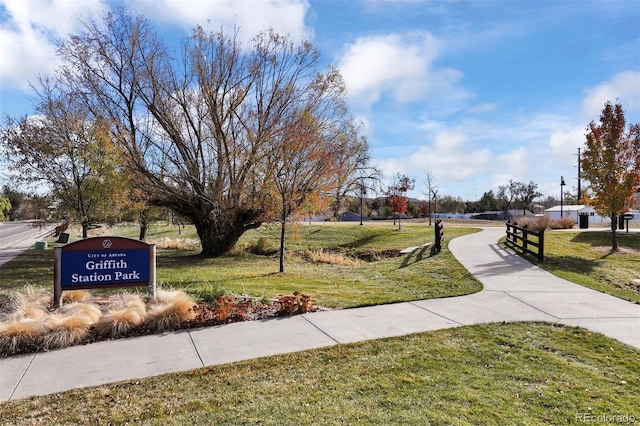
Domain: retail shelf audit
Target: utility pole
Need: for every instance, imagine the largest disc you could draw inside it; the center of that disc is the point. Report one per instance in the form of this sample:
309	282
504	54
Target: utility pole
579	178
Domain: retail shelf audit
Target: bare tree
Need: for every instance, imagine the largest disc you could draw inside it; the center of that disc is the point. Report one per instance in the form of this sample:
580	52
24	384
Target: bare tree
198	128
357	174
430	182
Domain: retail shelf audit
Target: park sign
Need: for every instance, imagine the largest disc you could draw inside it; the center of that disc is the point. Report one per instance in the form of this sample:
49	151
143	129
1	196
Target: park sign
104	262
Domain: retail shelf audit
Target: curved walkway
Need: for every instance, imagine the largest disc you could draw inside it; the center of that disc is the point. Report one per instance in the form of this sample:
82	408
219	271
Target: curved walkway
514	290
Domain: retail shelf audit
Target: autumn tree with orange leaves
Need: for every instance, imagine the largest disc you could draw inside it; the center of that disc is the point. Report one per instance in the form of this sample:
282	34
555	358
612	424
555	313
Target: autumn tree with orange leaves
611	164
397	195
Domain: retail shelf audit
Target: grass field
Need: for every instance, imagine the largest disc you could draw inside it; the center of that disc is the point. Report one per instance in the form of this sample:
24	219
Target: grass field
522	373
515	374
364	267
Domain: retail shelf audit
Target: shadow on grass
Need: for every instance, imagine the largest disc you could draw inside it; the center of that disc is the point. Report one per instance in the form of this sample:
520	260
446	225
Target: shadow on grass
550	263
597	239
361	242
569	263
418	255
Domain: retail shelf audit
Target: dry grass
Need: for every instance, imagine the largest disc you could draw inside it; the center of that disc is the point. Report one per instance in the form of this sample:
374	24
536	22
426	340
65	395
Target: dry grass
126	312
175	244
169	310
71	296
535	224
71	324
65	331
564	223
331	258
541	223
20	335
31	298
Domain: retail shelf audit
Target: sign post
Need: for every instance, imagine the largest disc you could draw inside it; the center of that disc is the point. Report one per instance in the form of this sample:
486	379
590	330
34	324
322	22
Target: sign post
104	262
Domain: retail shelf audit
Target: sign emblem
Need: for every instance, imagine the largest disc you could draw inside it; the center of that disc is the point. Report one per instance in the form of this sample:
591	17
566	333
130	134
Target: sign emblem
106	244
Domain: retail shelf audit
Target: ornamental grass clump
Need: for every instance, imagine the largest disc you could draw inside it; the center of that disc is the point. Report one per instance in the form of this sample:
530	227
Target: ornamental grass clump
21	335
169	310
124	313
33	303
71	325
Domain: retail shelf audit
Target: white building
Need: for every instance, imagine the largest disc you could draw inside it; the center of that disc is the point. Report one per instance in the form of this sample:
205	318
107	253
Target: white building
573	211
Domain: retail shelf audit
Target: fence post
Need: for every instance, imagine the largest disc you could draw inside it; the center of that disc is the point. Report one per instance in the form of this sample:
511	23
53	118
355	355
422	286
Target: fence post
541	246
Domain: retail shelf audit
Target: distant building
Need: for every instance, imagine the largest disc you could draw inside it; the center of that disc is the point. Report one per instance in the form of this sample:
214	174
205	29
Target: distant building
502	215
574	211
348	216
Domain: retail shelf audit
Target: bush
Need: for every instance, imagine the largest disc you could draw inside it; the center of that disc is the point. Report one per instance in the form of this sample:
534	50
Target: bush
295	304
564	223
536	224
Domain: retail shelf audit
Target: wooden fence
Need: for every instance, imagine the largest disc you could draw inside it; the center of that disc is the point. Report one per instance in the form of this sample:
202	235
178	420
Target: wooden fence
520	238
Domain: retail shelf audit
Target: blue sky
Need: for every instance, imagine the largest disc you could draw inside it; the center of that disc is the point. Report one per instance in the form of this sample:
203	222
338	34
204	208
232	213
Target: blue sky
477	92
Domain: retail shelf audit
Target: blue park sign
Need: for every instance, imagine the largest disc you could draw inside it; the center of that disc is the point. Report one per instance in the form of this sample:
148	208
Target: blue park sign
104	262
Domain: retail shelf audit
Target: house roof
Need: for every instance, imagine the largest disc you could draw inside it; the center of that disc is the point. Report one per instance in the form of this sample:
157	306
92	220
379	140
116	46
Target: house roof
571	208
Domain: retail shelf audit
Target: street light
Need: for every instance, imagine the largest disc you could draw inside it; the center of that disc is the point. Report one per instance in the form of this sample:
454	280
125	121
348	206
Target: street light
362	192
561	194
435	203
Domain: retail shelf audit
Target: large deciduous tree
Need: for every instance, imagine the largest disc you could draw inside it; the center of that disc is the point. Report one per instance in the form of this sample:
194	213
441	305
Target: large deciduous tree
198	126
611	164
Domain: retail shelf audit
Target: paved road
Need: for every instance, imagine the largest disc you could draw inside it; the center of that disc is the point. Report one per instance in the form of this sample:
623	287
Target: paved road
16	237
514	290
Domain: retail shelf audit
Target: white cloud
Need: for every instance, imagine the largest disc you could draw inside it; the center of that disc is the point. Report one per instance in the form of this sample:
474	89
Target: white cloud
451	157
26	48
401	65
478	109
623	87
250	17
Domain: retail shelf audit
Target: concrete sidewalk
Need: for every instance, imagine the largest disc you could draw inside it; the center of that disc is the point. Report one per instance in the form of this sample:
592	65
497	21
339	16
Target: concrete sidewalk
514	290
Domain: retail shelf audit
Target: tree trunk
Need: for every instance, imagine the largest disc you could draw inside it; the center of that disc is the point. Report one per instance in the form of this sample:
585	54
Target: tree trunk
614	235
218	238
282	234
144	222
143	231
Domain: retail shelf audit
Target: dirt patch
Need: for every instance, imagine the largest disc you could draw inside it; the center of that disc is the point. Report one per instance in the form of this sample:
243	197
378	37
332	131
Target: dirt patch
376	255
621	250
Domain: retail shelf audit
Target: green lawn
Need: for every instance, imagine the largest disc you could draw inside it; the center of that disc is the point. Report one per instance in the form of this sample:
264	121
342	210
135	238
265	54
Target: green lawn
377	278
516	374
